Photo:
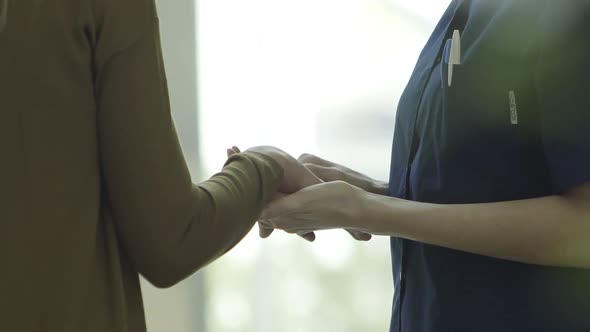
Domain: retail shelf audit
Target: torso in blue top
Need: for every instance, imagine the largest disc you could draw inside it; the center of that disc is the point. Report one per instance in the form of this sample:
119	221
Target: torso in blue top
515	124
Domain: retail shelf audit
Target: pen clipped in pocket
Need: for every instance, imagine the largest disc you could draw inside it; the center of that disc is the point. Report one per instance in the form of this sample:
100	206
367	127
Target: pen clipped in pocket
451	58
450	62
447	66
444	67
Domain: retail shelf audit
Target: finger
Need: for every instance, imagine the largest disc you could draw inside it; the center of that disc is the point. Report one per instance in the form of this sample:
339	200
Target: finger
324	173
359	236
312	159
309	178
264	231
236	149
230	152
308	236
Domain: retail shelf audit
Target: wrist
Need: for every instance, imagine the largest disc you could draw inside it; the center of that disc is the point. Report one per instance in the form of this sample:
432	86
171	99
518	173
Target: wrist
366	211
379	187
383	215
350	200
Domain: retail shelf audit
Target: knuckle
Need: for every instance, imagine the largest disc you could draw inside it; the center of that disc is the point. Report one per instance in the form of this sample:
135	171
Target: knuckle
307	158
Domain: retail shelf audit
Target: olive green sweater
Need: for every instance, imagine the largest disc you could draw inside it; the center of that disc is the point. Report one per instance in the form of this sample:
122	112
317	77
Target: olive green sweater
94	189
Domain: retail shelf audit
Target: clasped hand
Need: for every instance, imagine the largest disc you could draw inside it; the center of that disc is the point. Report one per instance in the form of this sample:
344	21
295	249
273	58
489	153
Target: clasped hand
305	203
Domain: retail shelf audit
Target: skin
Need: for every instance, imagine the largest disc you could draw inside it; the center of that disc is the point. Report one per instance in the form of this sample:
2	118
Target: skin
297	177
551	230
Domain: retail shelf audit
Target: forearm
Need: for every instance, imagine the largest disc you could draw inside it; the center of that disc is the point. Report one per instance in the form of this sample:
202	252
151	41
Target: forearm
223	210
552	230
228	205
379	187
167	226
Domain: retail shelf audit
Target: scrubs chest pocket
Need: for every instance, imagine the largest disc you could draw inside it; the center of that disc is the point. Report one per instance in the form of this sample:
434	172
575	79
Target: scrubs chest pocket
487	104
473	103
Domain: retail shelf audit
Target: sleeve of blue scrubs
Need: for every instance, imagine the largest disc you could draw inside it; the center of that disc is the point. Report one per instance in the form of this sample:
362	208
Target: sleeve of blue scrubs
563	91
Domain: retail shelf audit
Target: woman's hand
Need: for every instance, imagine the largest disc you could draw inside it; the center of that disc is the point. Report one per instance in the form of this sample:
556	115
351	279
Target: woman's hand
330	171
327	205
296	178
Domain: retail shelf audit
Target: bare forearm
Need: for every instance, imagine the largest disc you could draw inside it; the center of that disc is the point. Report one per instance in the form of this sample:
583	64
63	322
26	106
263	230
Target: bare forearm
379	187
552	230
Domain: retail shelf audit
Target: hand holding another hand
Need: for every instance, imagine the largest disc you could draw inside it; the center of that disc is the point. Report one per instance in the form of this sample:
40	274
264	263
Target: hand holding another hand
296	178
328	205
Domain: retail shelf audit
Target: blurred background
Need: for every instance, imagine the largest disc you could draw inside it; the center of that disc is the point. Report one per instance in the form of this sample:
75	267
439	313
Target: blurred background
318	76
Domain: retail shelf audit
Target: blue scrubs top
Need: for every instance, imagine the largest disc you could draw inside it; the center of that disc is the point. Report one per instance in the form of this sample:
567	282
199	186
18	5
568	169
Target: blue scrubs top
514	124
